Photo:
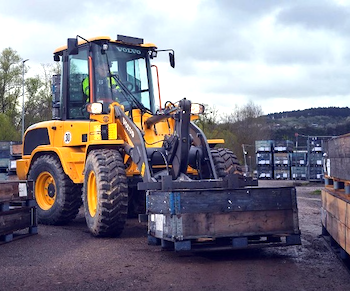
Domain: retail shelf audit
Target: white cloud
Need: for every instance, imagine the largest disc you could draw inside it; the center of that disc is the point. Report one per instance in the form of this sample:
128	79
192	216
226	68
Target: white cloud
281	55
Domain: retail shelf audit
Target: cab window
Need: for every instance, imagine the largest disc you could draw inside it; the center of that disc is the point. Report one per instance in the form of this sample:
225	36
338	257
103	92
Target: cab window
78	73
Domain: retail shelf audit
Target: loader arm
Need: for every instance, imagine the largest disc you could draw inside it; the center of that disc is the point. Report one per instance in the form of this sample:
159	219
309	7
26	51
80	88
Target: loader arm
199	140
179	151
186	141
138	151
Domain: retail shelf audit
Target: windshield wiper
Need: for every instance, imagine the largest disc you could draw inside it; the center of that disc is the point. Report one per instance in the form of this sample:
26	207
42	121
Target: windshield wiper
129	96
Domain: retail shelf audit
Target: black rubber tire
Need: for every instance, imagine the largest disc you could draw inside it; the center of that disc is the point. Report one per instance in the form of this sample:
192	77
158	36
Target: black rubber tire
110	212
225	162
67	194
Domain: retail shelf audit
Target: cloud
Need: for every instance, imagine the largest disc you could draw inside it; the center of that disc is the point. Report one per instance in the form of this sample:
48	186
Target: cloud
227	51
317	15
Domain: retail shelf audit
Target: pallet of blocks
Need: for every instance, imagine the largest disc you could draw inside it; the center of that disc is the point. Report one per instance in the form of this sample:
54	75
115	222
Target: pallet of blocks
264	158
17	210
335	211
282	159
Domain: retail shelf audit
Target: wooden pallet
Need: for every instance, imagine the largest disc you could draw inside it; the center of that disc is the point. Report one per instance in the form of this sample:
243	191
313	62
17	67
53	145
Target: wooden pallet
335	211
236	217
17	210
335	216
338	185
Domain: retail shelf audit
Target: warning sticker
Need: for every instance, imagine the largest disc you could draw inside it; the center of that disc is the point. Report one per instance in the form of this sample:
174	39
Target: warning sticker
67	137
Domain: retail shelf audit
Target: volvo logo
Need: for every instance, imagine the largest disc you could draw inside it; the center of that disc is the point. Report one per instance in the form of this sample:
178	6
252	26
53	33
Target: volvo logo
128	128
129	50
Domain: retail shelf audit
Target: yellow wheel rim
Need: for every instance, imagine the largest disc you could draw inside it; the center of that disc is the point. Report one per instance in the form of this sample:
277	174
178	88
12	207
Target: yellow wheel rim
45	190
92	194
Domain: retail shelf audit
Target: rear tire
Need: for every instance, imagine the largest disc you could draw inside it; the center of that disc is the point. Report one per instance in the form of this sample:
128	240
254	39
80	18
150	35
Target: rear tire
105	193
57	197
225	162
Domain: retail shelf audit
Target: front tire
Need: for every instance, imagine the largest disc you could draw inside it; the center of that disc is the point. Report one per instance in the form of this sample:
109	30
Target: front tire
57	197
105	193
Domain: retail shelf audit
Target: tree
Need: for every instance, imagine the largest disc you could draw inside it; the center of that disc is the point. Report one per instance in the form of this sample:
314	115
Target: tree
208	120
245	113
243	125
8	132
248	125
38	104
209	123
10	83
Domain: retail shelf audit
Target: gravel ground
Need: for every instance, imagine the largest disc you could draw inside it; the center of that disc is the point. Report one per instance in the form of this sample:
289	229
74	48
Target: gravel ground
69	258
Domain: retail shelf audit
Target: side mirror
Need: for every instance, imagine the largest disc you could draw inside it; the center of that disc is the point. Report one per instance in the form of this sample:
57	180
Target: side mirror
172	59
72	46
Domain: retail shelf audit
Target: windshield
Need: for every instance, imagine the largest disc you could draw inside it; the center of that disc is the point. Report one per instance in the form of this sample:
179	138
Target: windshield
121	75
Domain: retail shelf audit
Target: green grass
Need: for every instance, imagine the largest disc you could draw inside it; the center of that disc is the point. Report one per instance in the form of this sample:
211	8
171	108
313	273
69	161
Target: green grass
316	192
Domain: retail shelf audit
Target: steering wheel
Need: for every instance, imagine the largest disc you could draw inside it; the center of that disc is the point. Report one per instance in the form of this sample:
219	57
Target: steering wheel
127	84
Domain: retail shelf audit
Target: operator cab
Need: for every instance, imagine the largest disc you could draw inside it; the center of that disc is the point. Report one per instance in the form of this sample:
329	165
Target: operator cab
104	71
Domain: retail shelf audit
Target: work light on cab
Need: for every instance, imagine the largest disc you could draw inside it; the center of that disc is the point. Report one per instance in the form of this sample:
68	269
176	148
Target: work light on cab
197	108
94	108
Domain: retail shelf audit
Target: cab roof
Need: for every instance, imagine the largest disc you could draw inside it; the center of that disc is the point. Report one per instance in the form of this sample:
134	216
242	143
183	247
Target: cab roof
124	40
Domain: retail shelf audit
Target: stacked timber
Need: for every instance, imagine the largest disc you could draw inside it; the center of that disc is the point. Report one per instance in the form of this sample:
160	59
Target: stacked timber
338	157
17	210
335	216
335	211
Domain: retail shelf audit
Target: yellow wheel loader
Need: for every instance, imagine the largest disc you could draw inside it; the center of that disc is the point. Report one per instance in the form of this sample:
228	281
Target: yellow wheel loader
110	147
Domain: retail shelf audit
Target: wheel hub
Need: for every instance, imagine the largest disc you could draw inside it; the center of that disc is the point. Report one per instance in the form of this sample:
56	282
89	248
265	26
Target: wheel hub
92	194
45	190
51	190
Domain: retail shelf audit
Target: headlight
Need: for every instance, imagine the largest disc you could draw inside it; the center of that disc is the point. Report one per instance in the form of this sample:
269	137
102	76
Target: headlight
94	108
197	108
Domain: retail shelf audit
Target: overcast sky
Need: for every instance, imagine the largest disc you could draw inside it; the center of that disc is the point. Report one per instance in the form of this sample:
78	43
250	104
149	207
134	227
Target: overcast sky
282	55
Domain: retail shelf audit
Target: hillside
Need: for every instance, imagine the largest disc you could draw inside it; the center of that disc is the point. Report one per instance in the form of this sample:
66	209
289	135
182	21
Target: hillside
321	111
331	121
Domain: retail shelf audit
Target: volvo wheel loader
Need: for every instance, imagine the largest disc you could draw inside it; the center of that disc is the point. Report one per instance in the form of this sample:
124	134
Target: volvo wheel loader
110	147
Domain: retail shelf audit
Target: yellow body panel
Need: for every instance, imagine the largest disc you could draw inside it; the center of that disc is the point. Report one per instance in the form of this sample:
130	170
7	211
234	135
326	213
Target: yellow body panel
22	167
71	141
72	160
216	141
66	141
154	136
